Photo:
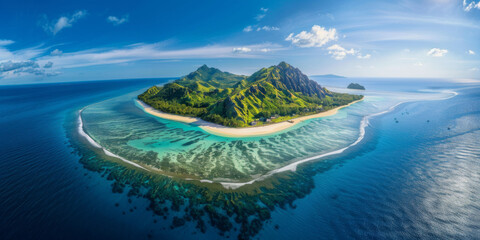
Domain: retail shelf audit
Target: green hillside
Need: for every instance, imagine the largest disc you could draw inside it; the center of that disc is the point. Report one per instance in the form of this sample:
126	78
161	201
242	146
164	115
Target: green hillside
273	94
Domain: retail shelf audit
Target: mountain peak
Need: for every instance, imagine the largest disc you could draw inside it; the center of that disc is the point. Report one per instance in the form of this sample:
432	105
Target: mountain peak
285	76
283	64
204	67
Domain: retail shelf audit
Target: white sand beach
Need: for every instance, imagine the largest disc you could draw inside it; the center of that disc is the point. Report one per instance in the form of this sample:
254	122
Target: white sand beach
220	130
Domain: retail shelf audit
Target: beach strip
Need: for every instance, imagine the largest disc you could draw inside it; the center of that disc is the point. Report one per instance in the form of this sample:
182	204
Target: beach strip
223	131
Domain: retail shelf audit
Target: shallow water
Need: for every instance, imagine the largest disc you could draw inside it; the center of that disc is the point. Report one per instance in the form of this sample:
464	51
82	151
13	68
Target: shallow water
122	128
406	180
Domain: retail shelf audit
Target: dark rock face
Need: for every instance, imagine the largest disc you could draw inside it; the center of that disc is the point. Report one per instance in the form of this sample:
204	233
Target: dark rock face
295	80
236	101
285	77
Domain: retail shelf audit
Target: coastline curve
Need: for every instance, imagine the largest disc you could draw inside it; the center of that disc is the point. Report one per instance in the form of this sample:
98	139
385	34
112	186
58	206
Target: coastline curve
219	130
290	167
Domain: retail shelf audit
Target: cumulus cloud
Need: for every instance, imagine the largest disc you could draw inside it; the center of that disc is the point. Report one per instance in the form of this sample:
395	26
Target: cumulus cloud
265	50
471	52
48	65
339	53
470	5
418	64
242	50
117	21
475	69
437	52
23	62
316	37
366	56
56	52
11	66
63	22
16	68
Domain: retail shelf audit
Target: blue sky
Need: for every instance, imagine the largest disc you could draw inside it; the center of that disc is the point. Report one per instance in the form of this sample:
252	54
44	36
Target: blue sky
57	41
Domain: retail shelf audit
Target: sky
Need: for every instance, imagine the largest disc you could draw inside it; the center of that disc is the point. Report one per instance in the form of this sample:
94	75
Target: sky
60	41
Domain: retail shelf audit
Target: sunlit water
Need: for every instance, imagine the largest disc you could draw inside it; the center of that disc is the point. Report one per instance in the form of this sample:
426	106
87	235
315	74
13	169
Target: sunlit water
123	129
415	178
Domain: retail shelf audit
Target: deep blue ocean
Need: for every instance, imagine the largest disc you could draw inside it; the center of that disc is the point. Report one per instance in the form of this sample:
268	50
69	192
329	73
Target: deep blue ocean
416	175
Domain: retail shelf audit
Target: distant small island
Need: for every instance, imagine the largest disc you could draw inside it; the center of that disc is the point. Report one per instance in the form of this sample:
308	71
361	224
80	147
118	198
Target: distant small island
328	76
278	93
356	86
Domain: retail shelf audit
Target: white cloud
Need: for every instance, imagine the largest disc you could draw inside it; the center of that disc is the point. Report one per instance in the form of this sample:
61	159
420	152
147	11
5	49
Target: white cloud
317	37
117	21
267	28
37	61
366	56
5	42
258	29
21	54
63	22
262	14
251	50
248	29
56	52
437	52
154	51
474	69
471	5
418	64
242	50
11	65
339	53
5	53
471	52
21	68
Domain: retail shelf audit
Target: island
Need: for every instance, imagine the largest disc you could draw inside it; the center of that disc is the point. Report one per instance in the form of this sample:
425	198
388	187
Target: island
328	76
274	98
355	86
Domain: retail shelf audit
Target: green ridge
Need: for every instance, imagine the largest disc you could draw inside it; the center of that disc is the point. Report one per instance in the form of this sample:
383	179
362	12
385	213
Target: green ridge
273	94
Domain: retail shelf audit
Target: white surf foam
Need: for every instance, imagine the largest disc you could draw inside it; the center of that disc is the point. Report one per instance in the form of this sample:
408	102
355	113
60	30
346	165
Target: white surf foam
290	167
82	132
293	166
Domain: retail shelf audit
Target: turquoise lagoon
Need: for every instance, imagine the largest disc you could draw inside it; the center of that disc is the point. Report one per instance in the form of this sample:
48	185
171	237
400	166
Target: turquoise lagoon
415	178
123	129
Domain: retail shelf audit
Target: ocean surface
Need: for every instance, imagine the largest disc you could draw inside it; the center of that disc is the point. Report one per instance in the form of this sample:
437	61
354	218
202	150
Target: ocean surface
414	174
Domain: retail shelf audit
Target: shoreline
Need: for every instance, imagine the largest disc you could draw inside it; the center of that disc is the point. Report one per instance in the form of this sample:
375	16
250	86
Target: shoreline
220	130
289	167
90	140
234	185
